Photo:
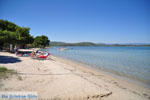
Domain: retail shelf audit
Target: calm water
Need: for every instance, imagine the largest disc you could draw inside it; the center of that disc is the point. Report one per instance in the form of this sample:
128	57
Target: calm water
131	62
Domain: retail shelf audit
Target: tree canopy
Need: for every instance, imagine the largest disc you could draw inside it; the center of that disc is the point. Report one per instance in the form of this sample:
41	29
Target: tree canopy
41	41
11	33
9	26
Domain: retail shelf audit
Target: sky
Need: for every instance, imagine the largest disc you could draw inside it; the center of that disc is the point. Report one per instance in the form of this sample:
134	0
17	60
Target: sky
99	21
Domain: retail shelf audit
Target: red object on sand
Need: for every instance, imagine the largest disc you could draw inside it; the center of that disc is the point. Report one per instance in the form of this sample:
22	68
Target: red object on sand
44	56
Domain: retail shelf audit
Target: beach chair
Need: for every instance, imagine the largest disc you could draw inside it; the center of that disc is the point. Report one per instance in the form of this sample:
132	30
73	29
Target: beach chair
44	56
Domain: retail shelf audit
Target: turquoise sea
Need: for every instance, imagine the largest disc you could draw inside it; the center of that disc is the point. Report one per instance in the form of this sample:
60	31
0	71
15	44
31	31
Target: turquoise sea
129	62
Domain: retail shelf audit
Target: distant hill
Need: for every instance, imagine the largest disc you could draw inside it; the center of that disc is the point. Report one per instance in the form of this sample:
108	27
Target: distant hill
73	44
125	44
136	43
57	43
96	44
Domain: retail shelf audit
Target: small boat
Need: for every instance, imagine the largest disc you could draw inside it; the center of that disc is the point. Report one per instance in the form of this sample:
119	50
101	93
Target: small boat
62	49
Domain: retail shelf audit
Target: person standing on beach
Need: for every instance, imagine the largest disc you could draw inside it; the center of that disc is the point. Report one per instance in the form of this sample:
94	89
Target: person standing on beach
16	50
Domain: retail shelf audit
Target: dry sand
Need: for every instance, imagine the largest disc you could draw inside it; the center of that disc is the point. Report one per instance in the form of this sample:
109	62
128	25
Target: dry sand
59	79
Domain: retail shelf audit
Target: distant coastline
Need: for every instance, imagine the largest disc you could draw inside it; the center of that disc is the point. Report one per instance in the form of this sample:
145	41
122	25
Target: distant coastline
96	44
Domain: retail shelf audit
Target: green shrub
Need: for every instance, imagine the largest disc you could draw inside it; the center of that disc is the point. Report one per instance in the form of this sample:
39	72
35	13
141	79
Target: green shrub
6	73
3	69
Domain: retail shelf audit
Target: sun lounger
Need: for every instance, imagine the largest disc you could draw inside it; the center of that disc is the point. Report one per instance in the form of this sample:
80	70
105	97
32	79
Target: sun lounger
44	56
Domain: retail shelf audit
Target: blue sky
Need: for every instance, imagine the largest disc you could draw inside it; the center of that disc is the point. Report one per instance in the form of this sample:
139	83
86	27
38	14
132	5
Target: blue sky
99	21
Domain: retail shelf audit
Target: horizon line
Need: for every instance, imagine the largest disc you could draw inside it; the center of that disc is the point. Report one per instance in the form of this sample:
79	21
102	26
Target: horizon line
104	42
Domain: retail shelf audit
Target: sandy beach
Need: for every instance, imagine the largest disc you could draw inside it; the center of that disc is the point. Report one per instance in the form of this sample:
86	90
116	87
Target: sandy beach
60	79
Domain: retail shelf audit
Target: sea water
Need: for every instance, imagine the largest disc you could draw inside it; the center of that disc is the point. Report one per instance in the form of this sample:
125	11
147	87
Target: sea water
130	62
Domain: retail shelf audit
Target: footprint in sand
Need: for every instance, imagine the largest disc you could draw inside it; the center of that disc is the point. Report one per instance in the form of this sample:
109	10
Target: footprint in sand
145	94
38	69
122	87
99	96
45	70
135	92
91	73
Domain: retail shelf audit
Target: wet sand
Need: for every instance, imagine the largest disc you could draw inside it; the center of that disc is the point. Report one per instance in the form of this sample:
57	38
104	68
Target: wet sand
57	78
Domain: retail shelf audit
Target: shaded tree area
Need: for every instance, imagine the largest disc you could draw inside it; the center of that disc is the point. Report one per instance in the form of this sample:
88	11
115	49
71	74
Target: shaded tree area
41	41
11	33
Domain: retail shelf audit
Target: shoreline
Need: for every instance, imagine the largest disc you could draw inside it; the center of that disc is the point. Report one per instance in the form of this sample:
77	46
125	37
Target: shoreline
65	79
130	79
120	79
89	67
